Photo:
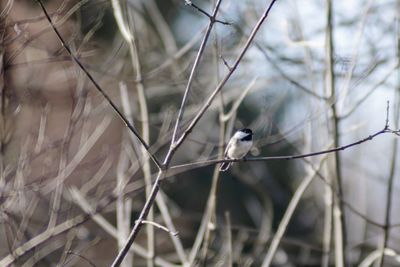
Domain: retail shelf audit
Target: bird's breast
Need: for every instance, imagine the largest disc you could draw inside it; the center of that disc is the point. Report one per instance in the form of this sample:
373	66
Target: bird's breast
239	150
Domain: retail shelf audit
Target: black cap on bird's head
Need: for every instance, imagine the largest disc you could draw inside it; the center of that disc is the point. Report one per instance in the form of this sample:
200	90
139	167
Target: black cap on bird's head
245	134
247	131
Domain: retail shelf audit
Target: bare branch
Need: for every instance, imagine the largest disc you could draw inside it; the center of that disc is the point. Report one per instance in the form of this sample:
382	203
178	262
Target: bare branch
160	227
193	71
211	17
98	87
174	145
226	78
291	157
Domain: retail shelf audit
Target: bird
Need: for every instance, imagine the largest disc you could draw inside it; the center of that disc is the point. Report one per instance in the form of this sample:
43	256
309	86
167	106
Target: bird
238	146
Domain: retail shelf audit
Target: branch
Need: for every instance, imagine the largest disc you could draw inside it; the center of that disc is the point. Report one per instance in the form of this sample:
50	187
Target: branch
290	157
159	226
175	145
98	87
289	213
194	68
211	17
226	78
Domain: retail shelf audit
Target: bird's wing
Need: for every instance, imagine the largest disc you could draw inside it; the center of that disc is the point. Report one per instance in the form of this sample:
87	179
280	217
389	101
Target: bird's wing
230	143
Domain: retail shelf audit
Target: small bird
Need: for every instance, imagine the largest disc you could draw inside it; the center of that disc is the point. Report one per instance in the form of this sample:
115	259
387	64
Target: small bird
238	147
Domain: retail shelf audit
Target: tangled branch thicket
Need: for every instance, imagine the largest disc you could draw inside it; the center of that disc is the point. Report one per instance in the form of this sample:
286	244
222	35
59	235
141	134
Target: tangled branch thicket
115	115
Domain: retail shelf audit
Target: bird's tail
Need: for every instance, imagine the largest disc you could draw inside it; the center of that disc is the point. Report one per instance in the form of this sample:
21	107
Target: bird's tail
225	166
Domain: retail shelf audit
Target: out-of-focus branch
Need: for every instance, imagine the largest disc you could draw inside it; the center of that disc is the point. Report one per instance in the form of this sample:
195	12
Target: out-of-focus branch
99	88
289	213
249	41
339	222
175	144
192	73
393	162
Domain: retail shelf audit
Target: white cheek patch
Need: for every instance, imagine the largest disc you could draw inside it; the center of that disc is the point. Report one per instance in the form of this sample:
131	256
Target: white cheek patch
240	135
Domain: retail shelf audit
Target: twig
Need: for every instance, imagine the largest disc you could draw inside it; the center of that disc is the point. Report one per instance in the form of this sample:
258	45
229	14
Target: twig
288	214
225	62
162	207
160	227
41	238
193	71
226	78
70	252
78	157
393	163
290	157
228	241
211	17
355	53
175	145
238	101
204	229
82	202
173	58
369	93
98	87
339	222
286	76
144	117
374	255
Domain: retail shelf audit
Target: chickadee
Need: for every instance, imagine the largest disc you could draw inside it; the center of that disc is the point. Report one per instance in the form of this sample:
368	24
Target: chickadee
238	147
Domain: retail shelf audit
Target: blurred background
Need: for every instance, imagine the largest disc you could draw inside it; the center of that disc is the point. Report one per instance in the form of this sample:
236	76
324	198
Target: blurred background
318	75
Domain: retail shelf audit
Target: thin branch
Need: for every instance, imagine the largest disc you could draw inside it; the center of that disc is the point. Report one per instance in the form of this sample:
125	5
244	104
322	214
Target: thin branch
286	76
82	202
290	157
173	58
70	252
98	87
355	53
162	207
225	62
374	255
41	238
393	163
289	213
209	213
211	17
175	145
226	78
238	101
339	222
228	241
369	93
194	69
160	227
